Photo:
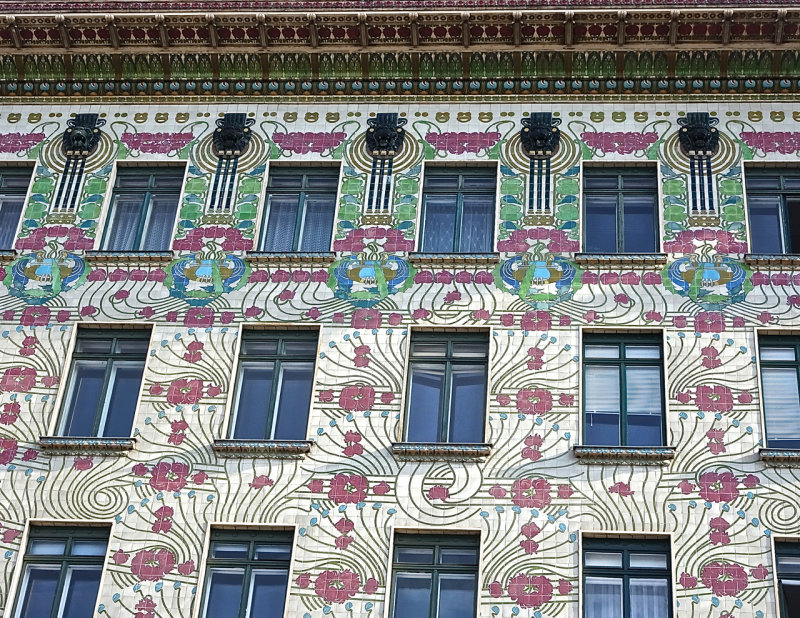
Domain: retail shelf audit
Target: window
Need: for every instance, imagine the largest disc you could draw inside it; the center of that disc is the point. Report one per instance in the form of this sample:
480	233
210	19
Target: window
300	209
623	391
788	566
435	576
773	199
458	210
61	572
620	209
276	372
447	387
247	569
13	188
104	382
626	579
780	375
143	207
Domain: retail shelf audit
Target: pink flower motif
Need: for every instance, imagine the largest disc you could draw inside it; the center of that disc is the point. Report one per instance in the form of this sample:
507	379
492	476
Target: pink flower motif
9	535
120	557
530	590
194	352
745	397
623	489
10	413
186	568
200	317
462	141
765	317
348	488
184	392
619	142
152	565
147	312
420	314
496	590
226	317
156	389
438	492
156	143
622	299
679	321
18	379
452	296
8	450
564	586
30	455
121	294
564	320
715	398
17	142
170	477
716	441
653	316
738	322
718	486
63	315
566	400
724	579
337	586
534	401
495	491
507	319
313	313
341	542
609	278
591	316
38	315
303	581
503	400
532	493
163	521
304	142
326	396
686	487
371	586
357	398
387	397
140	469
783	142
529	546
381	489
750	481
395	319
709	322
565	491
535	363
530	530
199	478
760	572
344	525
536	321
351	450
481	314
82	463
684	397
286	295
687	581
366	319
262	480
253	312
710	357
213	390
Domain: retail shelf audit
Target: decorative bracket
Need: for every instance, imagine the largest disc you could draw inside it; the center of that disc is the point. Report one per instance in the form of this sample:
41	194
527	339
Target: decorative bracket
82	135
540	134
232	135
698	135
385	135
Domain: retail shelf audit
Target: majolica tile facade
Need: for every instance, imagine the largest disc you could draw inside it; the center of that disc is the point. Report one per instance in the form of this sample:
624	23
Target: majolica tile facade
699	122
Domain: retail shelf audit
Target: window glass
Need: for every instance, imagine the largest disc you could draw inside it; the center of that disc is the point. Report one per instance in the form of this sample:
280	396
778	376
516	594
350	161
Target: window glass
773	204
414	555
780	391
12	199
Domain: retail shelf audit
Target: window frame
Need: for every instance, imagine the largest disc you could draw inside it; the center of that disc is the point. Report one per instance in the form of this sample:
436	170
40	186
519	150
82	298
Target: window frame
302	191
438	541
281	337
445	409
461	171
622	340
15	171
783	193
153	172
69	534
627	546
253	537
777	341
620	192
789	549
101	412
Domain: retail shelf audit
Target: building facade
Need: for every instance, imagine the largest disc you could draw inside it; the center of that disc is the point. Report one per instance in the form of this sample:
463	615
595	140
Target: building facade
380	310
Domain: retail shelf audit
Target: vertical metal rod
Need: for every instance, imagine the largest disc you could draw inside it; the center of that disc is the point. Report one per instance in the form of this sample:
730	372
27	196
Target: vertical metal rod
76	188
371	191
231	180
388	188
214	187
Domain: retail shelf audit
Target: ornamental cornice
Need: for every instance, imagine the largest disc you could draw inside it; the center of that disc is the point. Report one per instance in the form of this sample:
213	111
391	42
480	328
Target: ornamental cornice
86	445
635	455
438	451
276	449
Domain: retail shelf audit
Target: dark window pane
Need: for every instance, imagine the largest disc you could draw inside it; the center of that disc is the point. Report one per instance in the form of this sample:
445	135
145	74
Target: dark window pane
601	224
763	182
122	393
80	591
459	556
318	223
83	401
643	392
173	180
642	351
414	555
766	232
283	180
457	595
640	181
268	593
470	349
781	406
133	346
221	549
89	548
93	346
47	547
603	597
279	235
468	403
600	181
224	592
124	225
639	224
306	347
790	593
326	182
482	180
425	402
131	179
17	182
260	347
440	182
439	223
273	551
601	351
38	596
294	400
476	224
252	407
774	353
412	595
649	597
157	234
10	211
793	223
429	348
602	405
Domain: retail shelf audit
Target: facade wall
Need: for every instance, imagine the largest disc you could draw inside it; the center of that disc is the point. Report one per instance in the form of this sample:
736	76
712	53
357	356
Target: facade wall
713	409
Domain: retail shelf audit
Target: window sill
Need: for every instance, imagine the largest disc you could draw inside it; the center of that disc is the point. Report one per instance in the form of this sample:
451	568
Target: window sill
622	260
644	455
784	457
129	257
278	449
460	259
772	259
88	445
291	257
436	451
7	256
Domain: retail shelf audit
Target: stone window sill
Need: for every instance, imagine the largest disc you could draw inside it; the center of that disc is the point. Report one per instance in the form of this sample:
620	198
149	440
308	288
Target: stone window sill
291	257
87	445
456	259
111	258
7	256
621	260
437	451
783	457
644	455
772	259
278	449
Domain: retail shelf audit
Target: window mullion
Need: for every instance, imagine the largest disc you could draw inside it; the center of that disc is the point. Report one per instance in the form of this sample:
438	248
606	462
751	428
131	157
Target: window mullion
433	610
101	401
620	222
459	219
62	579
445	407
623	404
245	591
302	197
273	398
143	214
